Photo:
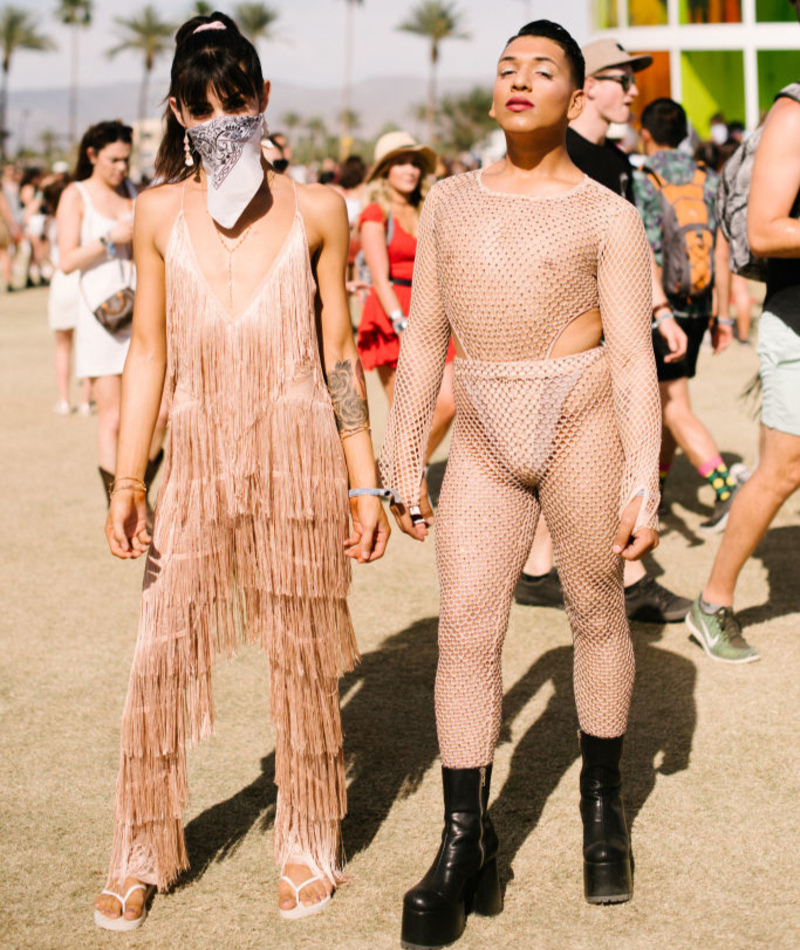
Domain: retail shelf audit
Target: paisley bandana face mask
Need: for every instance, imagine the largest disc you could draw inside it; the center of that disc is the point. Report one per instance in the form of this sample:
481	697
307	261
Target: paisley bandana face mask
230	148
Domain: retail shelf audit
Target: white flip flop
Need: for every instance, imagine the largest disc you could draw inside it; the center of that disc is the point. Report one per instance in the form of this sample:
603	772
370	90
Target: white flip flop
303	910
121	923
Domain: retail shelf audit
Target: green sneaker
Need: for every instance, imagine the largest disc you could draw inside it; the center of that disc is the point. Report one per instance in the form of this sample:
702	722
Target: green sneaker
720	635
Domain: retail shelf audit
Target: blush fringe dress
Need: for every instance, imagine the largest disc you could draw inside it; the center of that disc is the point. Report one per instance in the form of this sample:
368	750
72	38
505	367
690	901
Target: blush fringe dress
247	547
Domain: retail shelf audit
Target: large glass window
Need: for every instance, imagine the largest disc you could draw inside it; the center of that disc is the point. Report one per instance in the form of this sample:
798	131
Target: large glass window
775	11
713	81
776	69
606	14
711	11
647	12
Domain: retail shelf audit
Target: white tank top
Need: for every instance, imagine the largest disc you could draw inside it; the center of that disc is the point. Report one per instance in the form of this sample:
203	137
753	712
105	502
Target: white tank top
108	275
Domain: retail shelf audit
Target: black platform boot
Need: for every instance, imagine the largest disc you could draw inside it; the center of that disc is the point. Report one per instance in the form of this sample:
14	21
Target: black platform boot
464	877
607	858
108	483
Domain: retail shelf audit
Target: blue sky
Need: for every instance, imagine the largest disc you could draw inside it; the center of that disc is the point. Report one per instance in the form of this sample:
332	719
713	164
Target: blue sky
309	50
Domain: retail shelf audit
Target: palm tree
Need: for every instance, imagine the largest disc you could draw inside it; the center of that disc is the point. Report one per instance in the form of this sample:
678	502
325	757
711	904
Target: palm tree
17	31
74	14
144	31
316	128
437	20
291	120
201	8
347	85
255	21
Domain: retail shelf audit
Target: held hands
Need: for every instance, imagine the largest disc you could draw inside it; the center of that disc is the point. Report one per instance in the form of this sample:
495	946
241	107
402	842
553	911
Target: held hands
126	524
629	545
367	541
416	528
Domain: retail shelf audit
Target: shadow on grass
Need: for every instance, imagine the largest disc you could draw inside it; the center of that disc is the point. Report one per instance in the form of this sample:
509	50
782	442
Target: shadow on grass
662	725
779	552
390	744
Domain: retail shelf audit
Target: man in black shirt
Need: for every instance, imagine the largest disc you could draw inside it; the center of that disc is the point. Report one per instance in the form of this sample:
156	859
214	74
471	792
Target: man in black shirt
609	92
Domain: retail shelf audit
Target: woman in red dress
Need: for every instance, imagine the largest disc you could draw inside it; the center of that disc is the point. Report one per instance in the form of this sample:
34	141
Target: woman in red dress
388	229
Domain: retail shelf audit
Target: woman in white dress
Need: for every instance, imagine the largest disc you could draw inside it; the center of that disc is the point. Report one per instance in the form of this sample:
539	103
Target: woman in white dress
62	311
95	229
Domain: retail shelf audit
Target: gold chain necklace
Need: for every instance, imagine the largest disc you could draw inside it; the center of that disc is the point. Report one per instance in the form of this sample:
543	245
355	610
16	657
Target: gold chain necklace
230	250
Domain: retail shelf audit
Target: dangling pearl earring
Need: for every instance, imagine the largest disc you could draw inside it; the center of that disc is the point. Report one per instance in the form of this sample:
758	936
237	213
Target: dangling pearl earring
187	149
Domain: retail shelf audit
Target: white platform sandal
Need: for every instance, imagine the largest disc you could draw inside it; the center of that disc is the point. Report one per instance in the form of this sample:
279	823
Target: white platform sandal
121	923
303	910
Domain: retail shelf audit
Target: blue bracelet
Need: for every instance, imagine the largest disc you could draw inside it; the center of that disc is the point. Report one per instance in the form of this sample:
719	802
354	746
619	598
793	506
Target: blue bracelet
388	493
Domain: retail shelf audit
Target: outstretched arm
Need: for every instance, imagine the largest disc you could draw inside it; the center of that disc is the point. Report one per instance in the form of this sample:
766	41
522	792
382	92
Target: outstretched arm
625	288
423	353
344	374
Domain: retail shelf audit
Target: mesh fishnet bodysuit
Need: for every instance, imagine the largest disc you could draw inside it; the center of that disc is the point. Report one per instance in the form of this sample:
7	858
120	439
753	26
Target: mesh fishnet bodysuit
247	545
576	437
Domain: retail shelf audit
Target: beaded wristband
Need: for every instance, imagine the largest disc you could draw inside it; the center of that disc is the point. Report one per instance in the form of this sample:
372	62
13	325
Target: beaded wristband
388	493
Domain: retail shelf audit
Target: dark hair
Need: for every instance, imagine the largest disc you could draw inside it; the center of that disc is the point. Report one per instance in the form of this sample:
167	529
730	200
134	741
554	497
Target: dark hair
709	154
564	39
97	137
665	120
353	172
52	195
220	59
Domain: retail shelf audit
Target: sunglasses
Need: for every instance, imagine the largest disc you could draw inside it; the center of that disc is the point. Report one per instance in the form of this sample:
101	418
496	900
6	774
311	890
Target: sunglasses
626	81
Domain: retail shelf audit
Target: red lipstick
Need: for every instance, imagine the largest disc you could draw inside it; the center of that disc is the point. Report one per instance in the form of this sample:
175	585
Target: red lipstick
518	104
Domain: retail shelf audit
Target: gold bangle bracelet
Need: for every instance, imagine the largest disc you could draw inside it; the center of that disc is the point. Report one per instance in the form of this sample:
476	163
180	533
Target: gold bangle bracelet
121	484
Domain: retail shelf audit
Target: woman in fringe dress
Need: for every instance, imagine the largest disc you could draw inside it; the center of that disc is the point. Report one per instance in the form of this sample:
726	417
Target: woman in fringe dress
247	324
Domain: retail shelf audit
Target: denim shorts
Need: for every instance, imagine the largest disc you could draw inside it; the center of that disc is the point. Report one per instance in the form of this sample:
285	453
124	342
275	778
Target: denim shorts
779	354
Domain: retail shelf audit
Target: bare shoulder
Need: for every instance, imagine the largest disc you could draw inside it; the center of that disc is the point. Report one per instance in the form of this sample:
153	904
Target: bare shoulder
325	215
160	201
157	208
320	202
783	120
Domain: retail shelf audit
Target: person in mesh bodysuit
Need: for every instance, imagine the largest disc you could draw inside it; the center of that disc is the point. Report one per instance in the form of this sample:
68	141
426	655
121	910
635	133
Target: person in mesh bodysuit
517	278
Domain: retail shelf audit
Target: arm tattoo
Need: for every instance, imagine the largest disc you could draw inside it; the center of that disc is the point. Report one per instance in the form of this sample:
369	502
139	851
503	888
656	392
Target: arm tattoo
348	391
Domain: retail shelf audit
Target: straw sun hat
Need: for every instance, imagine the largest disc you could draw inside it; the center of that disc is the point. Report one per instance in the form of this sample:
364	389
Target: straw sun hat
392	144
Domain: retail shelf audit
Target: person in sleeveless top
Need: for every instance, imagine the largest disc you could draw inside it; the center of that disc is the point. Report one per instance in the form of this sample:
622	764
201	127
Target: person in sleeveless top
268	429
543	278
95	228
388	228
62	311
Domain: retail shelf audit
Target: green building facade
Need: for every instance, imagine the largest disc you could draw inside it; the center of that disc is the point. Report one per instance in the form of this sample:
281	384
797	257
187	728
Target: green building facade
713	56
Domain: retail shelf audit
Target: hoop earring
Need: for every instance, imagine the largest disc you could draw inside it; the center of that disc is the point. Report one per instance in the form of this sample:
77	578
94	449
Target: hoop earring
187	150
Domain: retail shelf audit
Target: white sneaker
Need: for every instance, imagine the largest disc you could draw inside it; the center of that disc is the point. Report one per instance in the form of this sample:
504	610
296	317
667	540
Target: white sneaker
62	408
85	409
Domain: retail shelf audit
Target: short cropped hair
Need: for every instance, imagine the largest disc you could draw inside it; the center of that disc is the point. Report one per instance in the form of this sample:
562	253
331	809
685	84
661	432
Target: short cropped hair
665	120
564	39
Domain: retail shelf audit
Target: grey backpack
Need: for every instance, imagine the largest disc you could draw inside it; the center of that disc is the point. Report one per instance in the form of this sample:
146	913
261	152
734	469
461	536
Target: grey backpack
733	193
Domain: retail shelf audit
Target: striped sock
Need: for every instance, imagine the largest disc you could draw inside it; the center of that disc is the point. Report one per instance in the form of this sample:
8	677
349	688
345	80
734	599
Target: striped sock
716	473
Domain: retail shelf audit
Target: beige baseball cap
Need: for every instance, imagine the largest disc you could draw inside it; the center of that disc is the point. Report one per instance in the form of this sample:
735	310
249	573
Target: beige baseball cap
605	54
398	143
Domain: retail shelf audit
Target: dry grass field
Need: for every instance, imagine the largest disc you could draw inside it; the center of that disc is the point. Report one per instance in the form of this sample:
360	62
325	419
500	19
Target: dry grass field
712	764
